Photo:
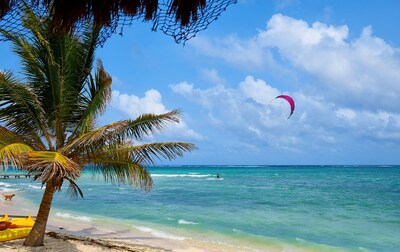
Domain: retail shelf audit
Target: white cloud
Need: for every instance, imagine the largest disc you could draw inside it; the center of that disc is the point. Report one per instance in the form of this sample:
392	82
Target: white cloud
246	111
258	90
246	54
291	32
361	72
249	113
133	106
204	97
212	76
348	101
182	88
346	114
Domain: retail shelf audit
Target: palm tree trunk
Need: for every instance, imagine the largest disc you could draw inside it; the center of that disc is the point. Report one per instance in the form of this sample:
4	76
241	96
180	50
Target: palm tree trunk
36	236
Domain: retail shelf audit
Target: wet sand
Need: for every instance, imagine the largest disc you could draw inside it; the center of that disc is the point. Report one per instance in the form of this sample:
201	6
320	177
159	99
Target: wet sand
74	235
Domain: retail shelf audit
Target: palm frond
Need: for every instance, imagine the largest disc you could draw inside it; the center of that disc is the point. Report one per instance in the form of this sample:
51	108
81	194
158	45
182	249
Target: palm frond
10	154
21	110
99	94
121	171
95	139
149	152
11	146
148	124
53	167
124	163
73	189
78	62
119	132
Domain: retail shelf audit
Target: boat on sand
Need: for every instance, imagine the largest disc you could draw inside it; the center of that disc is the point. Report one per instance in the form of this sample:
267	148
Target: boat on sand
15	228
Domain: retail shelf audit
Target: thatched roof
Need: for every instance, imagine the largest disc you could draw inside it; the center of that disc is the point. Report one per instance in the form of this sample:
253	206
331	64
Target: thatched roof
189	16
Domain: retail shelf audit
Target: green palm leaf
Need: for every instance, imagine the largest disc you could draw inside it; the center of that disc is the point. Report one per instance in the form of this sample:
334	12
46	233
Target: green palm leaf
147	153
21	110
52	167
120	169
99	91
119	132
11	146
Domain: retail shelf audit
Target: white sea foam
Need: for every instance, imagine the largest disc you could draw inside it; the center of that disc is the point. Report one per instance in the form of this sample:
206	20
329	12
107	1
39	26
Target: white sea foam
300	240
35	187
182	175
184	222
69	216
108	231
5	184
7	190
236	230
159	233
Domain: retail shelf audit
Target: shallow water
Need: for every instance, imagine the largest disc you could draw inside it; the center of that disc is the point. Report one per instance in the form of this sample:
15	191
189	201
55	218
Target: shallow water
312	207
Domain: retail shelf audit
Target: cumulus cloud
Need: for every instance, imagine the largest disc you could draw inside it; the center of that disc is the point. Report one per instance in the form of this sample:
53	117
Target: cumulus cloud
246	54
361	72
133	106
212	76
348	101
250	113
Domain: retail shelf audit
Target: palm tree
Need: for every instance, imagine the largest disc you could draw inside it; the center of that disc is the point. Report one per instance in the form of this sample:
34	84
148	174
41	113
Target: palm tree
48	119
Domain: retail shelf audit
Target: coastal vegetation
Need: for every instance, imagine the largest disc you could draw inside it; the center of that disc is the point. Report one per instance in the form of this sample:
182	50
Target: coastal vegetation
48	118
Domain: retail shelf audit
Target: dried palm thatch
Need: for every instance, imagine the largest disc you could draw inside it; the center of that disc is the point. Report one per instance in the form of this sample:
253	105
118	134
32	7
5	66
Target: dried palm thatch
181	19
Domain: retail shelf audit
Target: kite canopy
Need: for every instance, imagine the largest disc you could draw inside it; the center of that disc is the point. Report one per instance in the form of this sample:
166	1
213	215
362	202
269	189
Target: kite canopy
289	100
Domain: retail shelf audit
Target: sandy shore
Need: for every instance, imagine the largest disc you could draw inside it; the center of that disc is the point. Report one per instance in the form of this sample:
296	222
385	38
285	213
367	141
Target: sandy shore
70	243
64	234
73	234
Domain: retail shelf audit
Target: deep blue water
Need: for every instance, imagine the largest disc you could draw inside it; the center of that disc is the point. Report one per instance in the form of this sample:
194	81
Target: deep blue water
348	207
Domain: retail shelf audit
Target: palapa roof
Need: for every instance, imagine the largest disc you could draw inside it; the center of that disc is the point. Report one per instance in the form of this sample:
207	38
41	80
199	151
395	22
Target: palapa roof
181	19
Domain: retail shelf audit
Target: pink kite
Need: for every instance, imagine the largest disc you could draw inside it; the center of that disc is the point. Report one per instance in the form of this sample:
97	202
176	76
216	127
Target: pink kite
288	99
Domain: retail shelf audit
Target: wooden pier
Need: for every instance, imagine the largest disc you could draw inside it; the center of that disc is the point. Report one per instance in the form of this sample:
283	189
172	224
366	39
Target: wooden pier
6	176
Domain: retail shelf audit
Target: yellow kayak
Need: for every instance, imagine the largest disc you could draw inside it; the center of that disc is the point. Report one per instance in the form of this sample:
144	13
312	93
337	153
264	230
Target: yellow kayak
4	218
14	233
21	222
16	228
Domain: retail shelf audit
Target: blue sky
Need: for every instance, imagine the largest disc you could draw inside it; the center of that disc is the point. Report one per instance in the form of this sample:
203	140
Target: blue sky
339	60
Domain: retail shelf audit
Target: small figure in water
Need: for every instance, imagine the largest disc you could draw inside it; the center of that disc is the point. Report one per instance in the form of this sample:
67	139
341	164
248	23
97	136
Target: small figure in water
218	176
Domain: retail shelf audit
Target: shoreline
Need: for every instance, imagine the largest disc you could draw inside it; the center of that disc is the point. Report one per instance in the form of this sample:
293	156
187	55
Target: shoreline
71	232
55	241
74	233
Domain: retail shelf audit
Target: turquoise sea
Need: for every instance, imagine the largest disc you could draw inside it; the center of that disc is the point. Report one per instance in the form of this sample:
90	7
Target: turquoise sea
327	208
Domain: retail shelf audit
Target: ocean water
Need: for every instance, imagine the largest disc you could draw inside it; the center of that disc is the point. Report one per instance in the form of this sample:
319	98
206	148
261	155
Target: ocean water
323	208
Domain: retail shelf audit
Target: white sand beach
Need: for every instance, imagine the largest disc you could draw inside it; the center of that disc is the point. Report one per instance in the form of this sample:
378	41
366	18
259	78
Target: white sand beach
64	234
74	235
